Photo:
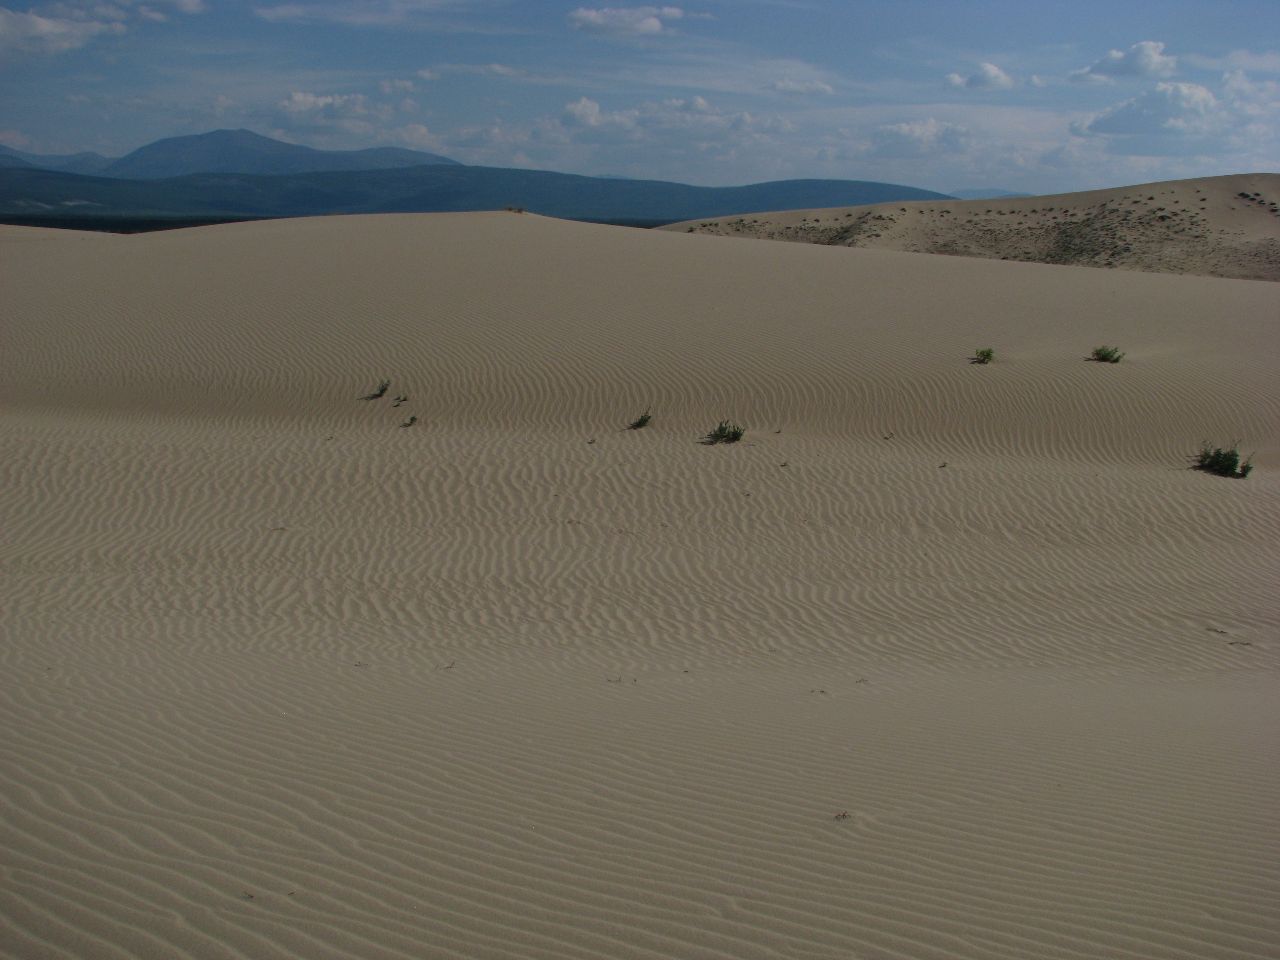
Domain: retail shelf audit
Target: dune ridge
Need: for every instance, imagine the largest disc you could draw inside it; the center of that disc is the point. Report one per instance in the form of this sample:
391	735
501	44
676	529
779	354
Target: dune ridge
941	660
1225	226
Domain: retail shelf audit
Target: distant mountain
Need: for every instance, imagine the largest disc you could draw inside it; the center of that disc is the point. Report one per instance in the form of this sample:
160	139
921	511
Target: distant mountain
86	163
437	187
985	193
243	151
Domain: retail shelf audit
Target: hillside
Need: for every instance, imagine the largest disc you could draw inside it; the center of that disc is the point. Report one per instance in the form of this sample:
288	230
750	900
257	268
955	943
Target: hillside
84	163
1216	226
433	188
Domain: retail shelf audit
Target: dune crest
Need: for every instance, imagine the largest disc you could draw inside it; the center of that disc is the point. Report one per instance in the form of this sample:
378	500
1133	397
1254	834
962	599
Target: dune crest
1212	226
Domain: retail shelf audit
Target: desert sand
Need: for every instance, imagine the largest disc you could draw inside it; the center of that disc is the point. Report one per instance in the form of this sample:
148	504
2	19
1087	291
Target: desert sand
940	660
1213	226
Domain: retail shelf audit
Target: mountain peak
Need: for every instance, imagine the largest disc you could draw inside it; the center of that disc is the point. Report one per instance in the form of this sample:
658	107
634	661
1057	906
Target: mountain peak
244	151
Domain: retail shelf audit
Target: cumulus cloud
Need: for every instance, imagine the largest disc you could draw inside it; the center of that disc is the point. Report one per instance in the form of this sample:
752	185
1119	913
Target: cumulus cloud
1175	109
987	77
31	33
417	136
332	104
584	111
71	24
1181	118
1251	98
693	114
625	21
1144	59
918	138
802	87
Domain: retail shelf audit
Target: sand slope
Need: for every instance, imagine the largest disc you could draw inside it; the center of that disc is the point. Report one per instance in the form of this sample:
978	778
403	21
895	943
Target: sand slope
1211	226
942	660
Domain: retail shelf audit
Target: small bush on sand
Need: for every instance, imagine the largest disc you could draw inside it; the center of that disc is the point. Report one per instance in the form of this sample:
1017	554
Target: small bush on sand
379	393
1222	463
640	422
1105	354
985	355
725	432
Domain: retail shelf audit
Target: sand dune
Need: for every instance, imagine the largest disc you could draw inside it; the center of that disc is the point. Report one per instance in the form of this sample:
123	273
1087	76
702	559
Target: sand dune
1211	226
940	661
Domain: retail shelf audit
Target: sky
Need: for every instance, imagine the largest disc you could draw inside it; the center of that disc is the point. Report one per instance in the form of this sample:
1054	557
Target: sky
1032	96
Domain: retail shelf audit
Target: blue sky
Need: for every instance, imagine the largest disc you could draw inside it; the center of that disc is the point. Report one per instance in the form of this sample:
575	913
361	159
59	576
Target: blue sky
944	94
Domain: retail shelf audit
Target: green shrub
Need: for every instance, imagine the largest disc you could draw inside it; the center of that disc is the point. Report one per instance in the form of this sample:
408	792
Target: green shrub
985	355
725	432
1222	463
640	422
1105	354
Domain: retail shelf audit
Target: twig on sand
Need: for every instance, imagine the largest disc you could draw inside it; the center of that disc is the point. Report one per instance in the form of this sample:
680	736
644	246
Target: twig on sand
379	393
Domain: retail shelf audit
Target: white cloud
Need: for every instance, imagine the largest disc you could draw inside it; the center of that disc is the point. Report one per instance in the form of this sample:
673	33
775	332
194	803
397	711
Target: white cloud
651	115
355	13
584	111
282	13
802	87
351	104
396	86
31	33
670	138
1144	59
625	21
1171	109
71	24
988	77
919	138
1251	98
417	136
1183	119
493	71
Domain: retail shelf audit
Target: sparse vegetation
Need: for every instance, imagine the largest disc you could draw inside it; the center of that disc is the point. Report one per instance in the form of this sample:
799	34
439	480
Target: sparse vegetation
640	422
1105	354
725	432
379	393
1222	463
985	355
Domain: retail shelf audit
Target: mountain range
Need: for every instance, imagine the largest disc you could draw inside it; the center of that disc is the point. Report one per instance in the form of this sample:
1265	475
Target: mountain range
239	174
222	151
